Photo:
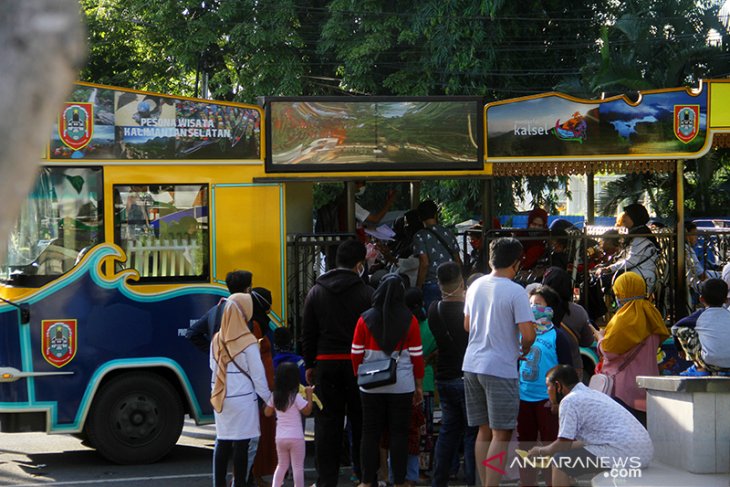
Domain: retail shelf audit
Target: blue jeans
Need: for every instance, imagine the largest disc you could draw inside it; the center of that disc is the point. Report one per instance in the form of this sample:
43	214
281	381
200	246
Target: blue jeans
454	429
431	292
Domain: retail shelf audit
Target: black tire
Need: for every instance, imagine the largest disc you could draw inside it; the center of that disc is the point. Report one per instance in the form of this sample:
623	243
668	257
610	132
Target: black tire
135	418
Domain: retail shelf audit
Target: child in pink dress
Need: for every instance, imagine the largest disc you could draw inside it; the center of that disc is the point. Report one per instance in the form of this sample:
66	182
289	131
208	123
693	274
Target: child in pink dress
289	407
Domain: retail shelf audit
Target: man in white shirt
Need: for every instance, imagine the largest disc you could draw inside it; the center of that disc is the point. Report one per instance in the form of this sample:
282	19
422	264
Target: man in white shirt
499	320
595	432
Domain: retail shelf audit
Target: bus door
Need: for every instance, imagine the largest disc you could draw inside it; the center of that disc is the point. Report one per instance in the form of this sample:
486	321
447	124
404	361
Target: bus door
248	233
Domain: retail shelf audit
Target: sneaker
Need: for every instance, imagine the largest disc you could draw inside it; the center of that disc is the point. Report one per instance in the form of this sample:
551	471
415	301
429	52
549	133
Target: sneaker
693	372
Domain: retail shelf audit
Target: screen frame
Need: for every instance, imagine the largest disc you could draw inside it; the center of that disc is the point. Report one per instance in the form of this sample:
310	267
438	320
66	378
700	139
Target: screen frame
372	166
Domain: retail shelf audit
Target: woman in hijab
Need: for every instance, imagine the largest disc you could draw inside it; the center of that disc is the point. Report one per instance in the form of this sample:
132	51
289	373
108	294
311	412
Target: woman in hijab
575	318
388	329
630	342
265	459
534	250
238	378
643	248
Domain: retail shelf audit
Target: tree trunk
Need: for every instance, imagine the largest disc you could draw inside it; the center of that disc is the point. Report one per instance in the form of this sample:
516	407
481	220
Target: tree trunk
42	51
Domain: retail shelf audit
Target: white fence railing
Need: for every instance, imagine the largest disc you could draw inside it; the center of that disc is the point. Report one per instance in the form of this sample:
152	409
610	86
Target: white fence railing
156	257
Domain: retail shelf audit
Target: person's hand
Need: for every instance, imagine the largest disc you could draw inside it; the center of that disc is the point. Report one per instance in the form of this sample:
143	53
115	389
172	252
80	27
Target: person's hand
536	451
597	334
391	195
309	391
309	375
418	396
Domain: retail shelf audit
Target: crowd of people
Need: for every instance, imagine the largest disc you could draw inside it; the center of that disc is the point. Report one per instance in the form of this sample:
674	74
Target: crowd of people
501	361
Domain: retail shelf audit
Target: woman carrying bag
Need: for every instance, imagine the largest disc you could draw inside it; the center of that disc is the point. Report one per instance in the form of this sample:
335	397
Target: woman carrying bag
630	342
387	334
238	378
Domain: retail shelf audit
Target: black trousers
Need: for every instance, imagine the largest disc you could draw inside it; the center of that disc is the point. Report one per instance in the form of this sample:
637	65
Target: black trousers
378	412
222	453
337	388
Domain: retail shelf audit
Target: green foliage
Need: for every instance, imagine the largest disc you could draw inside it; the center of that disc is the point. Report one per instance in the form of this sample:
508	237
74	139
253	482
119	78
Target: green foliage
491	48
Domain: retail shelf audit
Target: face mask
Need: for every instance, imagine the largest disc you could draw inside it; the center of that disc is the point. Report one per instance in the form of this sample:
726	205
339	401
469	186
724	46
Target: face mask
361	270
543	317
360	191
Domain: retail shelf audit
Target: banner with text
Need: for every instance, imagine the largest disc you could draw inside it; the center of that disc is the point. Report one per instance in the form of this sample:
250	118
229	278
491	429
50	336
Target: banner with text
101	123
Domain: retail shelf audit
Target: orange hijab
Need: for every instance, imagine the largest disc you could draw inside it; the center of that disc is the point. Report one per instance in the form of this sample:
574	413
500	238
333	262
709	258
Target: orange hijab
233	338
635	320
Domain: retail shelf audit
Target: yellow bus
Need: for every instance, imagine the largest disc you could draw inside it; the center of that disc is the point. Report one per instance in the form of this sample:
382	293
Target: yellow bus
146	201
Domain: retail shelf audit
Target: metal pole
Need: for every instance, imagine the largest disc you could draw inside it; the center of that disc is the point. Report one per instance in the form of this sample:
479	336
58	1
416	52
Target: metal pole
487	206
591	200
350	188
680	293
415	194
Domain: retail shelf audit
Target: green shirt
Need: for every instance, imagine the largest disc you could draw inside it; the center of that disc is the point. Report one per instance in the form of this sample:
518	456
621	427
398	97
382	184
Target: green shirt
429	347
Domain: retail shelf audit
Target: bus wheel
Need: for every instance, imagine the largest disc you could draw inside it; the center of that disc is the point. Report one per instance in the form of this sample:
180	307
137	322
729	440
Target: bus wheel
135	418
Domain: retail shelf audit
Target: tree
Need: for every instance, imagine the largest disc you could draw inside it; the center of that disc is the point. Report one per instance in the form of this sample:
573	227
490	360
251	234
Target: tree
42	50
490	48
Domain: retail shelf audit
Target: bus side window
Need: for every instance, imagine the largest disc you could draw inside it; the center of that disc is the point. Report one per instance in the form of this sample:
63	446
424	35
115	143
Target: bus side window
62	215
163	230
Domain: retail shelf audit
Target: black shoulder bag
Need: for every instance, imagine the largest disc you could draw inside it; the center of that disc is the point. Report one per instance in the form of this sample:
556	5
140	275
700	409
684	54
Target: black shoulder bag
378	373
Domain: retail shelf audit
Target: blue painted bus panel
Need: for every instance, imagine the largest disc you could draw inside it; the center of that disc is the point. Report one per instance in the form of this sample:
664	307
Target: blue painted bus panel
10	356
112	326
115	322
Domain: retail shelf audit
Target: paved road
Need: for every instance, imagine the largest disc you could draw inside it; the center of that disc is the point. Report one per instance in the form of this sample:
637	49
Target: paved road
37	459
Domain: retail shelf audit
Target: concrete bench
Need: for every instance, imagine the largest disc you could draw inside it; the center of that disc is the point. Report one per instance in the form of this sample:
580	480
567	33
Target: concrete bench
688	419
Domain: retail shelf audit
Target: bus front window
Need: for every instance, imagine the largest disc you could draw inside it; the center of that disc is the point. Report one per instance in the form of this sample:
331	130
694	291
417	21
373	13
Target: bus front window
60	219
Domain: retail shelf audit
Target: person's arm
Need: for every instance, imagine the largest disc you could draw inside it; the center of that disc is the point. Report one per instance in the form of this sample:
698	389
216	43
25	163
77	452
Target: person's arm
528	334
688	321
562	348
422	270
466	323
269	408
255	368
418	393
376	217
198	334
307	410
415	349
420	251
357	351
639	254
585	330
561	444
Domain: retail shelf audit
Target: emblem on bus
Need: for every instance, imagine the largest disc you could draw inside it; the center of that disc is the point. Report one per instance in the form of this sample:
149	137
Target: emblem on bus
686	122
76	124
58	341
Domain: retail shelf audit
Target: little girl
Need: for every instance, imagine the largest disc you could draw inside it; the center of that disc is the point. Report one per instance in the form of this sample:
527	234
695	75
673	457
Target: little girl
289	406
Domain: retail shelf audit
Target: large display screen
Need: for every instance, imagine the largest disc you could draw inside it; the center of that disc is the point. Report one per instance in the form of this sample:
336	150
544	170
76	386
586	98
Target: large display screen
373	134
